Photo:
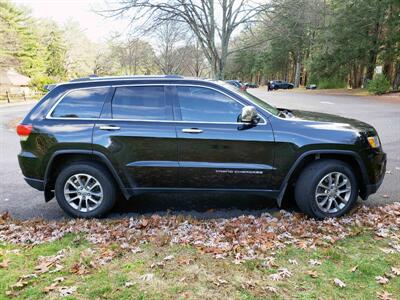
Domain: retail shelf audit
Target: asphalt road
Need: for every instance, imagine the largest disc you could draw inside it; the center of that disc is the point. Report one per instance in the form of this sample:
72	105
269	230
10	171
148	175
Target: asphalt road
23	202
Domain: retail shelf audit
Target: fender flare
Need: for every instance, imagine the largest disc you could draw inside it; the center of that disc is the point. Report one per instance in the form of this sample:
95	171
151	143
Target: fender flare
49	194
353	154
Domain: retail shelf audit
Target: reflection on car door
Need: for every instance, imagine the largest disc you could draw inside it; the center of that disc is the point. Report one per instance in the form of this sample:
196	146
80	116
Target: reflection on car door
216	151
140	136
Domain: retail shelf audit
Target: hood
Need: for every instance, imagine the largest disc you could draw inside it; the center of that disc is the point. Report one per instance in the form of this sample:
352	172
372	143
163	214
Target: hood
329	121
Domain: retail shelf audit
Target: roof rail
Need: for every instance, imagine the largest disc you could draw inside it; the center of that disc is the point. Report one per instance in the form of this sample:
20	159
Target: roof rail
95	77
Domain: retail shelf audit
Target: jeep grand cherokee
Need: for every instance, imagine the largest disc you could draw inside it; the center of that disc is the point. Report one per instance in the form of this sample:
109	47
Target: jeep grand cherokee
91	139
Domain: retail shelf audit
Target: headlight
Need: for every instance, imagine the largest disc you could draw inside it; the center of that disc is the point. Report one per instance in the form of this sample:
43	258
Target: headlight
374	141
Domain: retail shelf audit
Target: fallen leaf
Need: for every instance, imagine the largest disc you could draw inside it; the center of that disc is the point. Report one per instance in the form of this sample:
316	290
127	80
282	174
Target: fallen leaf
293	262
59	279
57	268
159	264
50	288
4	217
20	284
220	281
79	269
313	274
28	276
67	291
381	279
147	277
271	289
285	273
185	261
136	250
129	284
353	269
339	283
395	271
169	257
385	196
314	262
4	264
11	293
143	223
388	172
385	296
275	277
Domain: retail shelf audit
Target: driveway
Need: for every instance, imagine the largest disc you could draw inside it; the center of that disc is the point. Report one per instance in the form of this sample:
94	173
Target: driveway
24	202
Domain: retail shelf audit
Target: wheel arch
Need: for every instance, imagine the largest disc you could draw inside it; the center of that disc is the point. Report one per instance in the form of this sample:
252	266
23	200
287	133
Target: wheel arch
61	157
350	157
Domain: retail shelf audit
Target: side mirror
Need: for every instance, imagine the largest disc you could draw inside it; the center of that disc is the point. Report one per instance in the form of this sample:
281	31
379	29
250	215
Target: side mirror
249	115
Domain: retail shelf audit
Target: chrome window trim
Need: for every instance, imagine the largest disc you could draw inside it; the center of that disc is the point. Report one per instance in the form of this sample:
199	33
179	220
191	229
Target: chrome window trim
48	115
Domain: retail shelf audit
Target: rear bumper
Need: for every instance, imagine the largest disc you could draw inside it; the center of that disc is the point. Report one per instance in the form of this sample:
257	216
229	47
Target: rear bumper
35	183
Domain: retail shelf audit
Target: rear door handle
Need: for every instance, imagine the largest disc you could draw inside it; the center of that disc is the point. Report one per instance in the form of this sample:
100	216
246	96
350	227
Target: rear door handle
192	130
109	127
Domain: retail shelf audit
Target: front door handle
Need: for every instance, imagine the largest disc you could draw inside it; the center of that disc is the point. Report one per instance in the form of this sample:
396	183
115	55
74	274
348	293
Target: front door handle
192	130
109	127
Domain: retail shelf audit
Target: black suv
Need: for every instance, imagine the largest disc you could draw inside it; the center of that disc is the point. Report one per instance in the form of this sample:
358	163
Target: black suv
89	140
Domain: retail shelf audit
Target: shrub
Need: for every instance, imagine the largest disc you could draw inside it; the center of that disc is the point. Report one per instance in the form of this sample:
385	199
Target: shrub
378	85
331	84
39	82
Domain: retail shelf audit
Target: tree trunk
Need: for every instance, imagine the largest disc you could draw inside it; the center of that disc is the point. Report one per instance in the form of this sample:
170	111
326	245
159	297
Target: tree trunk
297	72
396	82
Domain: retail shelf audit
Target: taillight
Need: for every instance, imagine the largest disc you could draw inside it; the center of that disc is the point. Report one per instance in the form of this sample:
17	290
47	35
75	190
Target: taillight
24	131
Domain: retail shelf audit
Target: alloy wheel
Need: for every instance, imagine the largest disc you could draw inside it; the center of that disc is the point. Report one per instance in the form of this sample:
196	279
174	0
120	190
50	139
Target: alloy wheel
83	192
333	192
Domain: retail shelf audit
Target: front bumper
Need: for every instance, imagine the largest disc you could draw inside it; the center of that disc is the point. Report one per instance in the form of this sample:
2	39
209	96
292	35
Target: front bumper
377	171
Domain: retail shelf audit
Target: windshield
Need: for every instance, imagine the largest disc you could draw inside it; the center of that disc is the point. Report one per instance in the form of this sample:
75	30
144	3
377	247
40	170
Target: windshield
272	109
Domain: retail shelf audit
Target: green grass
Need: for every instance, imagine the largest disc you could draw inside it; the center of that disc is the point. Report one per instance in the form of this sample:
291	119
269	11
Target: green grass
191	274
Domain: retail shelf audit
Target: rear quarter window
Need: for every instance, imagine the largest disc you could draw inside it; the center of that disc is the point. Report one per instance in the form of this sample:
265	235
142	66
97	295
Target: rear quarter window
83	103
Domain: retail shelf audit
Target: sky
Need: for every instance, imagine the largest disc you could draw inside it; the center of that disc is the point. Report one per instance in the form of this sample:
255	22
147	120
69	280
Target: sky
95	26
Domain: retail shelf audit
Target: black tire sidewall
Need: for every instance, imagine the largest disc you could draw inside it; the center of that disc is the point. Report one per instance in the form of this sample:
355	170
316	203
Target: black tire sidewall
102	175
310	178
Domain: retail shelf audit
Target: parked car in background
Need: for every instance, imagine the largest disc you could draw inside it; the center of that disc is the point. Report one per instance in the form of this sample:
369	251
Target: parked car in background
311	87
237	83
251	85
90	140
280	84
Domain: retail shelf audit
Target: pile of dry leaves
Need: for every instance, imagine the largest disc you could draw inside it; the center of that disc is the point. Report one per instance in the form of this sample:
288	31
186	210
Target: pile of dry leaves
245	237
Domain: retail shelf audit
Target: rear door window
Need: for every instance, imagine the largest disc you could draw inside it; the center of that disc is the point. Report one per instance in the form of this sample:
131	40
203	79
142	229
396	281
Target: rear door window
83	103
141	103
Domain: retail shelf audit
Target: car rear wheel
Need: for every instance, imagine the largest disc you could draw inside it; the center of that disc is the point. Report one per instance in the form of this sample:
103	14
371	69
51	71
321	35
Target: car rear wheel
85	190
326	188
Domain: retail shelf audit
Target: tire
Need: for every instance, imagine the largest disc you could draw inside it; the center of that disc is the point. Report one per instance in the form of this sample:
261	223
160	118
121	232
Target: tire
100	184
312	181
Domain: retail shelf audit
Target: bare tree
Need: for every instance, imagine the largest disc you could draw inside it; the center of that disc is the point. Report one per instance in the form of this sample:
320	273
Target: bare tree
170	36
134	56
212	22
195	63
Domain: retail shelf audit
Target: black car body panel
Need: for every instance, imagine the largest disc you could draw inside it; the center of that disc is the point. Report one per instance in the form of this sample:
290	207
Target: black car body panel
174	154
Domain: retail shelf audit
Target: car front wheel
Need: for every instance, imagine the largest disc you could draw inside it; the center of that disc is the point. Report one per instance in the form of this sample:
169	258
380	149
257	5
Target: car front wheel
84	190
326	188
